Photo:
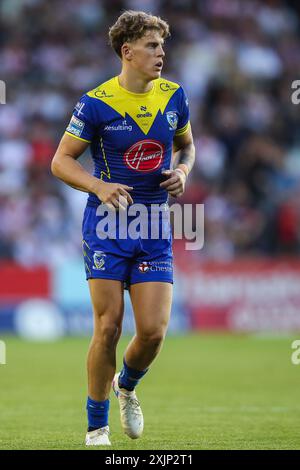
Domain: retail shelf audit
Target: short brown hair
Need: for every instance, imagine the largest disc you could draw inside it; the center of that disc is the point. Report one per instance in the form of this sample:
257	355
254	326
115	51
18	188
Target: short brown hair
133	25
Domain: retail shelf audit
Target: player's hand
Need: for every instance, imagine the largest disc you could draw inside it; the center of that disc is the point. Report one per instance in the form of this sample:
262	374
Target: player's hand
175	182
115	195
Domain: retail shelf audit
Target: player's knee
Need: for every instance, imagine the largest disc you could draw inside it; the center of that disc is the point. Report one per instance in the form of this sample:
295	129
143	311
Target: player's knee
108	334
153	338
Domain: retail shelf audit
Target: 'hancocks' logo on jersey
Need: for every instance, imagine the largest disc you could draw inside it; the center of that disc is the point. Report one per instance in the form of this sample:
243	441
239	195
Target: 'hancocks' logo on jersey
145	155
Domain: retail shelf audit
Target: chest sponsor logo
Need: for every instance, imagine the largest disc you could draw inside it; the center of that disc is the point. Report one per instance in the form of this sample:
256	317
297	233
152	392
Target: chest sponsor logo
119	127
144	113
145	155
172	120
75	126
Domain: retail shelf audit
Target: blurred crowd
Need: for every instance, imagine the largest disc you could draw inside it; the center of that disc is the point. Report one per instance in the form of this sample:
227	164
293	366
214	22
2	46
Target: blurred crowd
236	59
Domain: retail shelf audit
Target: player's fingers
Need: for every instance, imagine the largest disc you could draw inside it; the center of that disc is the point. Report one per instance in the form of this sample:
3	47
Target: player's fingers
124	186
114	202
123	203
175	186
110	205
126	195
119	203
176	192
169	182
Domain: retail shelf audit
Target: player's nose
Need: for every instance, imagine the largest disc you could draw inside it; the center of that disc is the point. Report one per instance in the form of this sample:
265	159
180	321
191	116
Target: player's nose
161	52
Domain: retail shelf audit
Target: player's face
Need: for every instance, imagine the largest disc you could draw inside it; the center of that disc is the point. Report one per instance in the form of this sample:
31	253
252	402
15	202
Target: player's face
147	55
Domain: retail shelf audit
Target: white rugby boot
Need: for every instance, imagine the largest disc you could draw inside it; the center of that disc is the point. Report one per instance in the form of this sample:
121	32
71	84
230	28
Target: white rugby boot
99	437
131	415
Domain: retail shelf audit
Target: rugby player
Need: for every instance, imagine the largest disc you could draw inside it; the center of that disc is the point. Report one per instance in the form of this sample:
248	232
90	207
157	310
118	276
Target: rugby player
133	124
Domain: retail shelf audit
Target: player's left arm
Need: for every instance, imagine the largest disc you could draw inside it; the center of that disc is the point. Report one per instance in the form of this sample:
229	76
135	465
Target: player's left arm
184	147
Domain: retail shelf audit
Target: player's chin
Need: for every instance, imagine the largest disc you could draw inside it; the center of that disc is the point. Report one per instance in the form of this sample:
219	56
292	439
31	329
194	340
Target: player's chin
155	74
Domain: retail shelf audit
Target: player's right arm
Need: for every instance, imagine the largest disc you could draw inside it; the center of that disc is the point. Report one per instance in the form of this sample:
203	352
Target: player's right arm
65	166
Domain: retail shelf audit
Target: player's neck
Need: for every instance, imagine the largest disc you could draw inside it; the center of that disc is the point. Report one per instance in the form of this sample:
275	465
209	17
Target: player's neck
134	84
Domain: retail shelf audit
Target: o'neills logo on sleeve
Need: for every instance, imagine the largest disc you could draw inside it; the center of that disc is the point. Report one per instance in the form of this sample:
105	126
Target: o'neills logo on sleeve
145	155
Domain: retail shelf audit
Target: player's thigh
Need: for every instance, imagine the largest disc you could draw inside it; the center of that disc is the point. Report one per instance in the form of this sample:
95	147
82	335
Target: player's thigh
107	298
151	302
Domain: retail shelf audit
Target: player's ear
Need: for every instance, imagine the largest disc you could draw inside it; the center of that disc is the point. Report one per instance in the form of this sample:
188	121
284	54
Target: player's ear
126	51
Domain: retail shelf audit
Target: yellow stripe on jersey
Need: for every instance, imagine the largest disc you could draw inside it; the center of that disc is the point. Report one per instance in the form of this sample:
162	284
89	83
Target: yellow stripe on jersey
103	173
85	243
141	107
183	130
79	138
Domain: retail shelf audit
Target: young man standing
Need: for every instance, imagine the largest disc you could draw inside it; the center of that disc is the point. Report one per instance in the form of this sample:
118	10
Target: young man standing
132	122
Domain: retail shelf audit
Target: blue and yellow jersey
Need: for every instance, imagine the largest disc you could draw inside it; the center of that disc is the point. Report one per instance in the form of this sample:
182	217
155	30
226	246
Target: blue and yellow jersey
131	134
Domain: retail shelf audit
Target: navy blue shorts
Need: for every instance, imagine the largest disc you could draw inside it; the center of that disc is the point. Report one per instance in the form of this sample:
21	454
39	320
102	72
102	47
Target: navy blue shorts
122	258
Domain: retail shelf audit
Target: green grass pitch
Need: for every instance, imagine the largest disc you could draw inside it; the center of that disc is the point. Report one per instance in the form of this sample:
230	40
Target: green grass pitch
203	392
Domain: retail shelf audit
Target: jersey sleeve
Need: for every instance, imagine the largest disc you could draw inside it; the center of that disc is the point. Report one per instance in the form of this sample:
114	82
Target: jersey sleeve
184	114
83	124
